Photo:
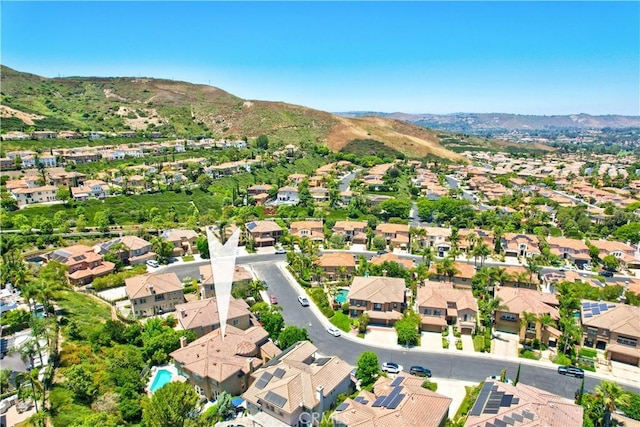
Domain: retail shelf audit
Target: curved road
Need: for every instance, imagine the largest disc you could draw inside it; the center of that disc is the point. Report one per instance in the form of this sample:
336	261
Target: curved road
443	365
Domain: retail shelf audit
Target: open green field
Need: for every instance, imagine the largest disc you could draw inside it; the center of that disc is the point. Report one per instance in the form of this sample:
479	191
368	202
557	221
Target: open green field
87	312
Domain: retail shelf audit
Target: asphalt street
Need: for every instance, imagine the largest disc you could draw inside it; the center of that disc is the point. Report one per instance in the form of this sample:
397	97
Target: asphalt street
451	366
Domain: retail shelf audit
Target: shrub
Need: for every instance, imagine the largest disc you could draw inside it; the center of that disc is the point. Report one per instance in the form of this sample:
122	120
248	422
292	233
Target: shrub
459	344
528	354
430	385
319	296
445	333
478	343
562	359
456	333
445	342
345	307
588	352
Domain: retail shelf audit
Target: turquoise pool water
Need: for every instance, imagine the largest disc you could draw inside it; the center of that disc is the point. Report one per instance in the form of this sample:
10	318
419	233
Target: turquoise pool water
342	295
162	377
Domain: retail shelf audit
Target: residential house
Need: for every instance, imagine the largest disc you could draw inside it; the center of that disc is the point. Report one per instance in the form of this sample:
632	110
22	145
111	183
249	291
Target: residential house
33	195
91	188
206	285
72	179
313	230
433	237
15	136
612	327
132	250
288	195
517	301
256	190
517	244
184	241
502	404
625	253
214	365
298	384
383	299
467	241
440	304
296	178
336	265
401	402
395	234
389	257
263	233
6	163
520	277
319	194
82	262
462	274
573	250
352	231
151	294
44	134
202	316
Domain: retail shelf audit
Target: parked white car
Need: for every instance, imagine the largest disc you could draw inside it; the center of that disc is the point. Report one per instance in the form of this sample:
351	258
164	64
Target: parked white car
153	263
334	331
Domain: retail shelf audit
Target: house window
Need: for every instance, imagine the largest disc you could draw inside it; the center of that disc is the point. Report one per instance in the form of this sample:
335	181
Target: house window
377	307
627	341
427	311
437	312
235	322
509	317
159	297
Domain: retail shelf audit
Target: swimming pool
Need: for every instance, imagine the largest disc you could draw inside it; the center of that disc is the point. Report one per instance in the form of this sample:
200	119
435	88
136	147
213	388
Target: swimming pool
162	377
342	295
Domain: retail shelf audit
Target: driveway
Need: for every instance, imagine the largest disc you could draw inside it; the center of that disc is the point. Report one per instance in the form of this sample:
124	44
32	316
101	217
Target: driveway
381	335
467	343
431	340
504	344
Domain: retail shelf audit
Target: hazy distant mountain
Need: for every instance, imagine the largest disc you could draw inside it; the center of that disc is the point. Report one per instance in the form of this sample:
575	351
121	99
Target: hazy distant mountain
469	122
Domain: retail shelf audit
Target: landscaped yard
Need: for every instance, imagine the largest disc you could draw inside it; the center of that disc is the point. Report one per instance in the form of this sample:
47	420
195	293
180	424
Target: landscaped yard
341	320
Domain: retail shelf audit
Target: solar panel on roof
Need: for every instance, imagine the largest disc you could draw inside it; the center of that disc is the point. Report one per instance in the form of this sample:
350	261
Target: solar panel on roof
499	423
397	381
342	407
378	401
595	310
359	399
322	361
515	401
612	306
506	400
585	305
395	402
279	373
481	400
276	399
603	307
527	414
517	417
594	304
264	380
508	420
491	411
364	401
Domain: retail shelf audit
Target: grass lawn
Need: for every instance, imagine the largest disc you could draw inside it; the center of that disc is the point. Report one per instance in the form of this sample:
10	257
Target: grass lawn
87	312
562	359
341	320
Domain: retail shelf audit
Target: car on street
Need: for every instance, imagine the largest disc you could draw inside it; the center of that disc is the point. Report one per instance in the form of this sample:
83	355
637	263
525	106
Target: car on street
153	263
334	331
303	301
382	252
280	251
497	378
571	370
264	283
606	273
273	299
420	371
391	368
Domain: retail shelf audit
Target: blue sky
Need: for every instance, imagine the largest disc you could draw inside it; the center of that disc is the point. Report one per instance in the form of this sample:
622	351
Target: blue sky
415	57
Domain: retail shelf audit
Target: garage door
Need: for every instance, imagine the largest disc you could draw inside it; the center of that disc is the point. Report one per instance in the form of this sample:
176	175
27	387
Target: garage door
431	328
624	358
466	331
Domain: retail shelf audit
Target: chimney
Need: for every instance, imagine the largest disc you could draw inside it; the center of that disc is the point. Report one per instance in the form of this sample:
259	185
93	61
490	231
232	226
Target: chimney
320	397
250	366
150	288
183	342
183	313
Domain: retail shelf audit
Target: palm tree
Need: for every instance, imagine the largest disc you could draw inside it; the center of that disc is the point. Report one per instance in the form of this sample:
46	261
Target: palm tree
571	333
612	396
533	268
427	256
5	380
30	379
446	267
481	250
528	318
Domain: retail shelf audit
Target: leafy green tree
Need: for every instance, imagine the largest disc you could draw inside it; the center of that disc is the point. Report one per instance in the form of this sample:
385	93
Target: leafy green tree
632	408
79	379
407	328
368	368
101	220
5	377
170	406
272	322
629	232
291	335
379	243
396	208
611	263
363	322
203	247
262	142
225	406
162	248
